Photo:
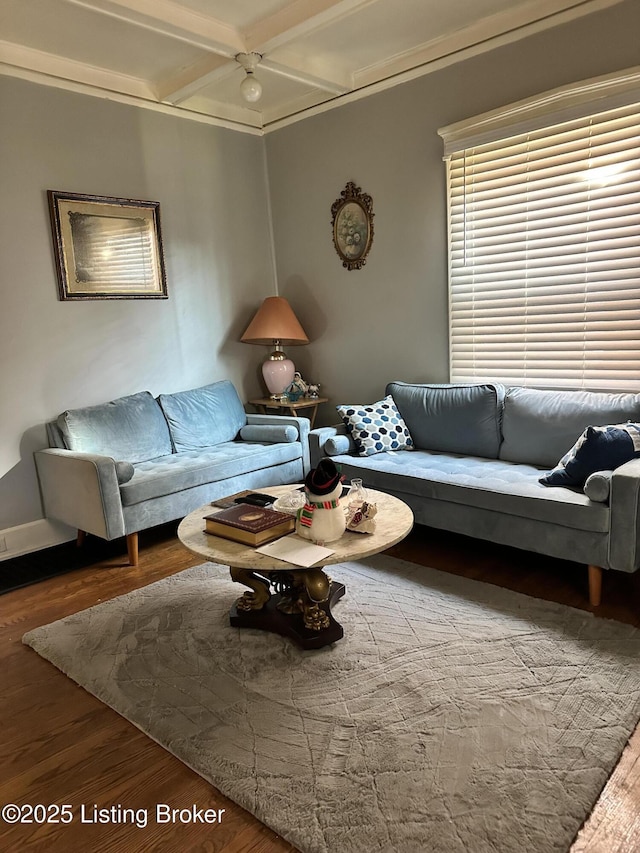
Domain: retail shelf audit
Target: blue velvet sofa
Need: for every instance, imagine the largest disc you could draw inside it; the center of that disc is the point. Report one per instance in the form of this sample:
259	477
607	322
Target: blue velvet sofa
135	462
479	452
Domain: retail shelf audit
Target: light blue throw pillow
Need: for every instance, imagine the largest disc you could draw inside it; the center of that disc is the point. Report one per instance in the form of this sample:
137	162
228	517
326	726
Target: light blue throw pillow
338	445
598	486
376	428
269	433
124	472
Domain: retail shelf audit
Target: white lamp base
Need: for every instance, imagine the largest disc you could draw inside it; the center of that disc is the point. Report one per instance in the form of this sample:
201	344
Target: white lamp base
278	375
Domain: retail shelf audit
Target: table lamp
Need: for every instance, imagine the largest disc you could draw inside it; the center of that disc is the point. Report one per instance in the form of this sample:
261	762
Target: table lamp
276	324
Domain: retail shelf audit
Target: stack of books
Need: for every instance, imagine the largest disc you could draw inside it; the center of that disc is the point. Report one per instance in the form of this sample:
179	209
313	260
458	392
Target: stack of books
250	525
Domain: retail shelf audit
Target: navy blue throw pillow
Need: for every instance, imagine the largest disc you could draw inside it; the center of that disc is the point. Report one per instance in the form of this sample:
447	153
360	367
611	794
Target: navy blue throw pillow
599	448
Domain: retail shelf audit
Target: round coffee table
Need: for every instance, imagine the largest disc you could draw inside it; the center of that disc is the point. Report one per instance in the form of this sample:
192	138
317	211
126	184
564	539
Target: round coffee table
301	604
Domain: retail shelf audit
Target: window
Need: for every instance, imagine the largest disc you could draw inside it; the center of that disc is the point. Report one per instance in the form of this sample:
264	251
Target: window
544	249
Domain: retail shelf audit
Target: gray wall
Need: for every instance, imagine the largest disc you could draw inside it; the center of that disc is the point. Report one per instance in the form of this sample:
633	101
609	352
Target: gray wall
54	355
389	320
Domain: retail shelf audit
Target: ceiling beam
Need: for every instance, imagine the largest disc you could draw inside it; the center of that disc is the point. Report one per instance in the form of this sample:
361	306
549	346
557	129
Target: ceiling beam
189	81
28	58
297	20
173	20
531	16
330	79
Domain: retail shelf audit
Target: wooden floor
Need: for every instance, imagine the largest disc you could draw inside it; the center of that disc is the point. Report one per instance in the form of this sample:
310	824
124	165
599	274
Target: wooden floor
59	745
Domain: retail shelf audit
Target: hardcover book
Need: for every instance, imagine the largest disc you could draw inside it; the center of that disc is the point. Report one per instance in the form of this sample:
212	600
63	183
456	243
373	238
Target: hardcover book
251	525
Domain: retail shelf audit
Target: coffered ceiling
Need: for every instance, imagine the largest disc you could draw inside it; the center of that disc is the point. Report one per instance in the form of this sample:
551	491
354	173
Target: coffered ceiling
179	55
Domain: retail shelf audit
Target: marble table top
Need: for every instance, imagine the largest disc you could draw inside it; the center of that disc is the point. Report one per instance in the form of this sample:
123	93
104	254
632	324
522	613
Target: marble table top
394	521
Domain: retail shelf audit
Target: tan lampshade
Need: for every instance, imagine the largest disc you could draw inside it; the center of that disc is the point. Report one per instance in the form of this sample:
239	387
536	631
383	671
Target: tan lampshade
274	321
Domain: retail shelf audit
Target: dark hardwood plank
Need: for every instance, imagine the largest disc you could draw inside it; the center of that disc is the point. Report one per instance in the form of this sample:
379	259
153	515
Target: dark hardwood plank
58	744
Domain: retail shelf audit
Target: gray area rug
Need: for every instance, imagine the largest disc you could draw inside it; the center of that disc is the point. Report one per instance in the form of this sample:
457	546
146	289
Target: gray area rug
453	716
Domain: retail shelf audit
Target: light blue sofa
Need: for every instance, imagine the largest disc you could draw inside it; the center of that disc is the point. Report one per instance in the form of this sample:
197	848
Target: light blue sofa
135	462
479	452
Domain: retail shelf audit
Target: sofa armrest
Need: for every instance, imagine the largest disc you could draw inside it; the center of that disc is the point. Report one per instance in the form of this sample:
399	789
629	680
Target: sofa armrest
319	437
301	424
81	489
624	522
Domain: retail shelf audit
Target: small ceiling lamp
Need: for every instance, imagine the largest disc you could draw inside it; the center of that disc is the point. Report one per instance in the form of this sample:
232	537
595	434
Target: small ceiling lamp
250	88
273	325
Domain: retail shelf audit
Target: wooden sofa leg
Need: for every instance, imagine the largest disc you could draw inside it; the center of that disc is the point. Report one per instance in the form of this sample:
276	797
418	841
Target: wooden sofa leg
595	585
132	548
80	538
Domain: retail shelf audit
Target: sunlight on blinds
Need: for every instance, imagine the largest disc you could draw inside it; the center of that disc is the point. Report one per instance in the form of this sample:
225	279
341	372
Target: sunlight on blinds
113	250
544	256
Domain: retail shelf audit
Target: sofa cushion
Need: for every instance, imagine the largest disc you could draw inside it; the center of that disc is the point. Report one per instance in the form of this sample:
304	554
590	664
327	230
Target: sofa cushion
190	468
597	449
376	428
487	484
203	417
131	429
539	427
452	418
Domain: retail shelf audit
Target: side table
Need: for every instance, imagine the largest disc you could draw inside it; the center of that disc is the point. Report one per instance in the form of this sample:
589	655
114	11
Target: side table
289	406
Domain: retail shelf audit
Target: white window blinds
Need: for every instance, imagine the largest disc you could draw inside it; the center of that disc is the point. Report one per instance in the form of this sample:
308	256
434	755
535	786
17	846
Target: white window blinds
114	251
544	240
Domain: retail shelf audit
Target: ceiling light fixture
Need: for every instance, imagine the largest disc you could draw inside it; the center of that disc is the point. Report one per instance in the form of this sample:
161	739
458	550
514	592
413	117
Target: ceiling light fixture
250	88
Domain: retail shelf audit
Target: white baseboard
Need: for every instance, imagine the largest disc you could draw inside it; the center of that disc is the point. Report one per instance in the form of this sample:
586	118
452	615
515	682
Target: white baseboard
33	536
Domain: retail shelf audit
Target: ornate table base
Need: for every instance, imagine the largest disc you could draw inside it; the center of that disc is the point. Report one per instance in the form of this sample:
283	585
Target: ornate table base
300	607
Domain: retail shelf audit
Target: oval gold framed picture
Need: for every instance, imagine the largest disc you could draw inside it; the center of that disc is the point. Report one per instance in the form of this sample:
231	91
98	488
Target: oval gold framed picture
352	226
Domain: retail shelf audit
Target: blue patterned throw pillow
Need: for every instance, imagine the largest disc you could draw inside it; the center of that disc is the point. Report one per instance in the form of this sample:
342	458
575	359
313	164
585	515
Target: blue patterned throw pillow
376	428
599	448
